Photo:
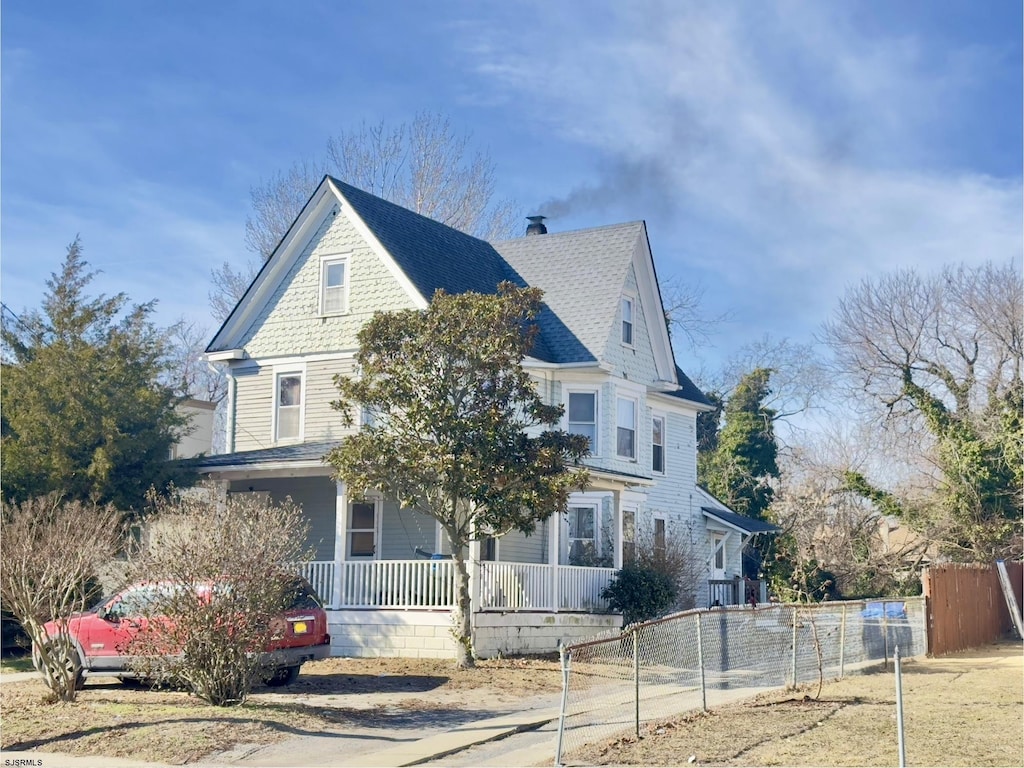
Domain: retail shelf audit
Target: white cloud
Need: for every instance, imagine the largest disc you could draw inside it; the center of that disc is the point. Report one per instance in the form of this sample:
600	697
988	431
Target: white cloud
798	151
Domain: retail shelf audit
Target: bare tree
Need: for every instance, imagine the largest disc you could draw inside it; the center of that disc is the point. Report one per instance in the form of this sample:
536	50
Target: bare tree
50	552
188	373
684	312
942	353
230	567
423	165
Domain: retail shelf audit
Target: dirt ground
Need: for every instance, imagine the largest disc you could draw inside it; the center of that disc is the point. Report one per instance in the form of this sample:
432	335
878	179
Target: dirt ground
962	710
334	695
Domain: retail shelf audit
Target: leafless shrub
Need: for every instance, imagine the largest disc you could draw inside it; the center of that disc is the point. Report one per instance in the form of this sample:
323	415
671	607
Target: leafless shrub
222	572
50	552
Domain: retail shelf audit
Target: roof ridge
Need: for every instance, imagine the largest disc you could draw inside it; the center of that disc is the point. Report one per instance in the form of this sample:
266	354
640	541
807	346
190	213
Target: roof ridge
553	235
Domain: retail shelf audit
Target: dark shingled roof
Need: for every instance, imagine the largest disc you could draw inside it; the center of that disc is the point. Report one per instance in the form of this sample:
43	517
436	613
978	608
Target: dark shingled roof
284	453
748	524
688	390
433	255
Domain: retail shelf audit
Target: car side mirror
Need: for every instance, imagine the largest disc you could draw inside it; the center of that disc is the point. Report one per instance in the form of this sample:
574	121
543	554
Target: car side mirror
109	612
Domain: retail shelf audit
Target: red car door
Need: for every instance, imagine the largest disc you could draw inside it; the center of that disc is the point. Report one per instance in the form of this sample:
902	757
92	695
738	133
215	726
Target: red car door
107	633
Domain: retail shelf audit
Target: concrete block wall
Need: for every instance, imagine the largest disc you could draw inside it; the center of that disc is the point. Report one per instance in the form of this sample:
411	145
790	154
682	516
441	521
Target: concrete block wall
409	634
513	633
427	634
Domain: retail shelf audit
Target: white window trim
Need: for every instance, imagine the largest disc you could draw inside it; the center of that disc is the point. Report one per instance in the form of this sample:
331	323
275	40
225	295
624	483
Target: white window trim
595	447
632	320
279	372
325	260
595	508
664	443
378	513
636	431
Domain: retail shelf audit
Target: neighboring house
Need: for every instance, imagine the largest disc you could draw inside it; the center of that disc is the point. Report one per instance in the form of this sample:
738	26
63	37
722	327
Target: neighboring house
603	351
199	438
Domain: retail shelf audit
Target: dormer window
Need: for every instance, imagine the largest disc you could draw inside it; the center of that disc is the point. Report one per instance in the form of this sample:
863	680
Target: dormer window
627	321
334	286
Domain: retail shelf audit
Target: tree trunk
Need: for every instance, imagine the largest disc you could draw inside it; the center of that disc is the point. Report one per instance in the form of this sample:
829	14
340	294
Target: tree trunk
462	628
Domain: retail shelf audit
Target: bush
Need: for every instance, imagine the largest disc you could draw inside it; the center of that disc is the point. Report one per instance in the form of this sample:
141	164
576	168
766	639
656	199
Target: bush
246	547
640	594
50	551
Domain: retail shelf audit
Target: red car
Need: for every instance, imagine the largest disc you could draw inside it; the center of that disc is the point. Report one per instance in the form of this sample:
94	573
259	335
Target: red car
103	635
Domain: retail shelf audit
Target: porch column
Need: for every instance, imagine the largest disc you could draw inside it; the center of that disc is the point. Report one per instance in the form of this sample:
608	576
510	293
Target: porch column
554	546
340	527
474	579
617	507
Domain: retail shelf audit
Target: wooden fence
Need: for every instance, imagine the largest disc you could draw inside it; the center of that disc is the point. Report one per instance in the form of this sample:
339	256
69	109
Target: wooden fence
966	607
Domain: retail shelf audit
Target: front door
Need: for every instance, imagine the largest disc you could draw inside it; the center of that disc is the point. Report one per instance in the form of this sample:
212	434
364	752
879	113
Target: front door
719	563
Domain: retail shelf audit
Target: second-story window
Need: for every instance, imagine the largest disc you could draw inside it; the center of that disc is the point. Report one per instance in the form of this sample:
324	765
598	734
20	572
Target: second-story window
582	408
627	320
658	444
625	429
289	406
333	286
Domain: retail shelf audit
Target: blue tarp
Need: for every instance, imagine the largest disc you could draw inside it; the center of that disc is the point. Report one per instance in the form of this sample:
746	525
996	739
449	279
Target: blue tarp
889	610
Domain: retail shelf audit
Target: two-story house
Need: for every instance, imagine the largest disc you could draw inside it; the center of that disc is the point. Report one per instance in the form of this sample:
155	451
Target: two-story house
603	352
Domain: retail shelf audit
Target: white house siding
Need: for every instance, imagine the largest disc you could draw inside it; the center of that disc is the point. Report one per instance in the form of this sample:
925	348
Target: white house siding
254	402
636	362
290	323
402	530
315	495
322	421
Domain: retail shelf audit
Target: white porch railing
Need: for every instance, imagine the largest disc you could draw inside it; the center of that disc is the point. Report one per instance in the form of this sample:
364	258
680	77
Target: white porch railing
430	584
527	586
516	586
320	575
397	584
579	588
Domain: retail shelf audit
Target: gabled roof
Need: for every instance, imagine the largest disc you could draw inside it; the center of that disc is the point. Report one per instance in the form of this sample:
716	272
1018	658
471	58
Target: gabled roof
603	255
427	255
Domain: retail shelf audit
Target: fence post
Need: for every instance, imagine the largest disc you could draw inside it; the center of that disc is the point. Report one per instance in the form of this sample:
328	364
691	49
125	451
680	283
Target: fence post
792	676
565	659
842	643
636	677
700	661
885	638
899	708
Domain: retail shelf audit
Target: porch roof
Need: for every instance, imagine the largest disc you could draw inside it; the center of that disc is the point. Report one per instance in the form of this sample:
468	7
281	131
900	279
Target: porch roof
741	523
300	455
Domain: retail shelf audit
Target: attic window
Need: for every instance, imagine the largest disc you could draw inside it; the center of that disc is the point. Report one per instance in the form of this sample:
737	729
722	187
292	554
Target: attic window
334	286
627	320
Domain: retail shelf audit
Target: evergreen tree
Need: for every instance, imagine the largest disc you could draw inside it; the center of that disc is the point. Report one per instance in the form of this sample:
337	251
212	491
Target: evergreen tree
742	460
84	415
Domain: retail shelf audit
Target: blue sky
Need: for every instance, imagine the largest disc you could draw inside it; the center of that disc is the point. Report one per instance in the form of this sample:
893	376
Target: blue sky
777	150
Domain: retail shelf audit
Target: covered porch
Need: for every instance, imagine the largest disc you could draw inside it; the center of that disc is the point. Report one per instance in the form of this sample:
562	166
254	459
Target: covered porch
372	555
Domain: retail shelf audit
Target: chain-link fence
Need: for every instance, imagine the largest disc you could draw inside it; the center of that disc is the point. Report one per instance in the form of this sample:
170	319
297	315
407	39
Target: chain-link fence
701	659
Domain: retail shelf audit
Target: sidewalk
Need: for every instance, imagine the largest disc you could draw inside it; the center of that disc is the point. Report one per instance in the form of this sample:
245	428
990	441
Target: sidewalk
324	751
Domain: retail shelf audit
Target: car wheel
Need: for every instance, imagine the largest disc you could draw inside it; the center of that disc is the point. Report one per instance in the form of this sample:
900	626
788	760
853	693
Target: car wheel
73	665
283	676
